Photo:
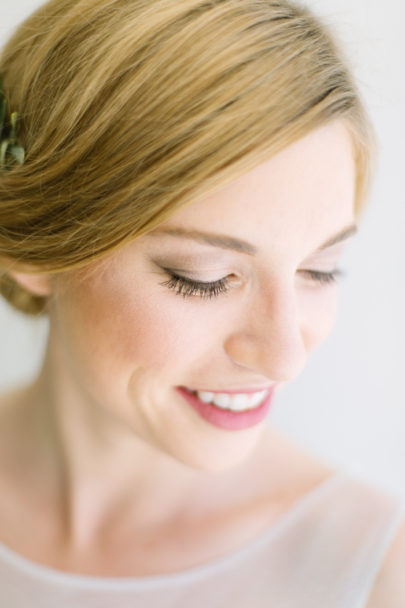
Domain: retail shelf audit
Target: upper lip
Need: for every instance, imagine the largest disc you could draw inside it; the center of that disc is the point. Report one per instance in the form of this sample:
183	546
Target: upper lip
233	391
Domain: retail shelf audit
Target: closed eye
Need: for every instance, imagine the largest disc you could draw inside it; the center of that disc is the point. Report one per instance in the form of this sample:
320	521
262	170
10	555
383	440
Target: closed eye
324	277
187	287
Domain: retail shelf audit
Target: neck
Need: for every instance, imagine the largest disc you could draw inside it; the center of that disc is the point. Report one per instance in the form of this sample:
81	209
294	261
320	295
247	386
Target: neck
102	472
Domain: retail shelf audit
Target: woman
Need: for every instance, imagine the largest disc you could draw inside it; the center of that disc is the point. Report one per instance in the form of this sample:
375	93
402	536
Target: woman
192	173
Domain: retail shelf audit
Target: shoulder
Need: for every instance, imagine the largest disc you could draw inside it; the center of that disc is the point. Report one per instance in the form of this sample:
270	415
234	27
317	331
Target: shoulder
389	587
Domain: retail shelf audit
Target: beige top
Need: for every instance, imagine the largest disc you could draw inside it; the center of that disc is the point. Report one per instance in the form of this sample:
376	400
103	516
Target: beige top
325	550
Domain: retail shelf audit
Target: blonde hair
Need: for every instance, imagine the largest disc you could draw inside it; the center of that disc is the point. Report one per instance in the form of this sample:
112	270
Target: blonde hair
131	109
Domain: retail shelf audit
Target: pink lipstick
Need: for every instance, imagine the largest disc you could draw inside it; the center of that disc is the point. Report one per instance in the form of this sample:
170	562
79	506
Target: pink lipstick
226	418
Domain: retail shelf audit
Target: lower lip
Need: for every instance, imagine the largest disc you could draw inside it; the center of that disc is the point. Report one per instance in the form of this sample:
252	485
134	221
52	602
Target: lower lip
226	419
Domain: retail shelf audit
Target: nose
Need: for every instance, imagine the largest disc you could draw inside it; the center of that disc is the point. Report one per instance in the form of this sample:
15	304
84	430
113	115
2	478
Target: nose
269	338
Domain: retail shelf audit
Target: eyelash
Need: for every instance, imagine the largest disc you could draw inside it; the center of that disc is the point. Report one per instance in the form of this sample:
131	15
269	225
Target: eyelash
186	287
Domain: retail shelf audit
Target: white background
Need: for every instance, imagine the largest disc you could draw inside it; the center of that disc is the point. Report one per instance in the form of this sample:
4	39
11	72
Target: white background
349	404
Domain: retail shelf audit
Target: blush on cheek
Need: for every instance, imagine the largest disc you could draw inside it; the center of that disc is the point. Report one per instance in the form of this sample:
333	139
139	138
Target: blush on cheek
119	329
114	327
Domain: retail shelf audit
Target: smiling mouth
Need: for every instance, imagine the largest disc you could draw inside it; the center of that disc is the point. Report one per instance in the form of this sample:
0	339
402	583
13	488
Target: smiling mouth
237	402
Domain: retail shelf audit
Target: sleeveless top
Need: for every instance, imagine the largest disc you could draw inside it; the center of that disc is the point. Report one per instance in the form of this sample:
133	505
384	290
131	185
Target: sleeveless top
325	550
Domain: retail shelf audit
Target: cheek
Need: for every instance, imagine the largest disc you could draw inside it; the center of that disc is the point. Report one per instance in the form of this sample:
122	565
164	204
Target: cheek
112	328
319	310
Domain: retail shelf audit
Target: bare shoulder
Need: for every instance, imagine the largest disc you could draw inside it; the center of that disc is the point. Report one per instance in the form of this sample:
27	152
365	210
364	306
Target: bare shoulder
389	587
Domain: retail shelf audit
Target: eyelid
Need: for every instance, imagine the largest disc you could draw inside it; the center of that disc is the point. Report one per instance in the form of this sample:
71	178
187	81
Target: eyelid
186	275
324	277
188	287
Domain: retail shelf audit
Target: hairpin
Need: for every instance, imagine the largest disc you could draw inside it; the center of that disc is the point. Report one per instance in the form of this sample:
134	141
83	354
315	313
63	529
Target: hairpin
10	147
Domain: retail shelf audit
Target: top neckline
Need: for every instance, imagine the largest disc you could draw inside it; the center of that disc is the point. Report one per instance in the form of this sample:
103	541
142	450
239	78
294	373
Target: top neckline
101	583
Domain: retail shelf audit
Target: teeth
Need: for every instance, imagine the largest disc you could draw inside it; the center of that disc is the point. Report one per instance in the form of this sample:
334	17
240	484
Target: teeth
257	398
237	403
206	397
222	400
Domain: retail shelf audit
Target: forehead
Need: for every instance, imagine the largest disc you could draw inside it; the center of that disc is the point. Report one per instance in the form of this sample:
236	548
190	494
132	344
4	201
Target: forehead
308	188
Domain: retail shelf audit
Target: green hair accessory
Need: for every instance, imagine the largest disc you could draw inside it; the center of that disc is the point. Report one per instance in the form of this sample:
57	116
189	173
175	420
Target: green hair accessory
10	147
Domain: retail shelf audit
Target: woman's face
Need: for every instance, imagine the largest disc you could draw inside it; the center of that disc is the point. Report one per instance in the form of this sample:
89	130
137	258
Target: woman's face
126	332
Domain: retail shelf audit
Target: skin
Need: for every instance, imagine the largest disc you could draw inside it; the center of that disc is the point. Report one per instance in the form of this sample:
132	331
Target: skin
112	446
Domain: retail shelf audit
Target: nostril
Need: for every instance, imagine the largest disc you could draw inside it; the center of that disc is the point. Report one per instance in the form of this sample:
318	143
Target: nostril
278	361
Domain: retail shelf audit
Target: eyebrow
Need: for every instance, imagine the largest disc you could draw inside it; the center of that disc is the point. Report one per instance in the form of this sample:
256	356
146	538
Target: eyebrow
227	242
